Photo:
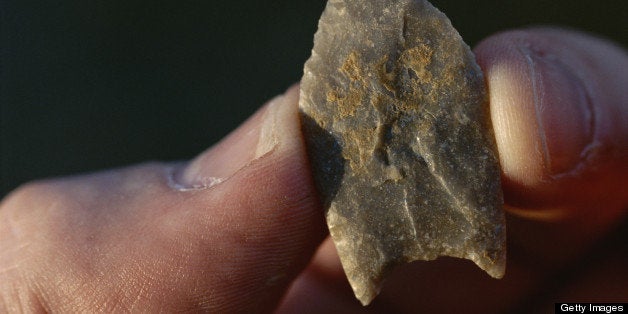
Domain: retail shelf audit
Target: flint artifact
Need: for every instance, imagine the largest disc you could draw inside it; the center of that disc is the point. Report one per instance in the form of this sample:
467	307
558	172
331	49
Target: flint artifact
394	109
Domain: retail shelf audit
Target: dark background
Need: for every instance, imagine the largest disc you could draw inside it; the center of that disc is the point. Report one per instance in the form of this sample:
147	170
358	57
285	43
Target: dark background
86	85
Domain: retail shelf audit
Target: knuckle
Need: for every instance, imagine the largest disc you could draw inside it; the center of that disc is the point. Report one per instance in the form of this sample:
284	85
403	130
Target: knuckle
34	195
30	209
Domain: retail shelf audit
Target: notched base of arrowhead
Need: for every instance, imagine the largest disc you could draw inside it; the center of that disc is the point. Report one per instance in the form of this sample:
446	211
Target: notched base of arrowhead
366	294
395	115
367	288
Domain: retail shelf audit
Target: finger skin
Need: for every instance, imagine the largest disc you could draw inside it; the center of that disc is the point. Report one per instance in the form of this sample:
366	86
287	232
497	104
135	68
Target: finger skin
559	113
559	109
132	240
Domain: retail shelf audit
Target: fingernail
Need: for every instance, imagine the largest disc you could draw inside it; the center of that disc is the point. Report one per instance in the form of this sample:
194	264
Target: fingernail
563	109
252	140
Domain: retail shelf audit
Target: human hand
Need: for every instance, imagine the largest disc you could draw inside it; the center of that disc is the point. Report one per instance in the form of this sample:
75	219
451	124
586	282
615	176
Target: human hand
237	229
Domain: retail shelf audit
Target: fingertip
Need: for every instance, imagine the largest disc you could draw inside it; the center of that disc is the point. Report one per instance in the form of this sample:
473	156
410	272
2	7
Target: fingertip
266	214
558	110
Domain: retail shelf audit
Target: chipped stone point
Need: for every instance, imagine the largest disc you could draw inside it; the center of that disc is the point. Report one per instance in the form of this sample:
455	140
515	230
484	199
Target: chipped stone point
395	114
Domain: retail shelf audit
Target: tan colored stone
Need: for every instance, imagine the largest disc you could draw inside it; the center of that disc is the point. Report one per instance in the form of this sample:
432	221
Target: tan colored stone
395	114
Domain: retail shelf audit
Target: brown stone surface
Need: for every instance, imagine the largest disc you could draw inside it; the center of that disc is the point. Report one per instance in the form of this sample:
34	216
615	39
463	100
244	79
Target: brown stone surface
395	114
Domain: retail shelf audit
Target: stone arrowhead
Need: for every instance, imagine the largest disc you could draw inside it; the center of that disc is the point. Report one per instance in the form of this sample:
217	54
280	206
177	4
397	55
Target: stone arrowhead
395	114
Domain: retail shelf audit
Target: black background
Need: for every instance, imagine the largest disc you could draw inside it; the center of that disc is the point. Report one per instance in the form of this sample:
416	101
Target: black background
87	85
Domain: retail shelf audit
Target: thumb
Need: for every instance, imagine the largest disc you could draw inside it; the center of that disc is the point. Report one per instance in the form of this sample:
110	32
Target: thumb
226	233
262	202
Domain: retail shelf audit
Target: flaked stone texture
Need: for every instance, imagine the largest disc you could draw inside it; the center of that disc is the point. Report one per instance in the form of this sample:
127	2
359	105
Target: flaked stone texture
395	114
